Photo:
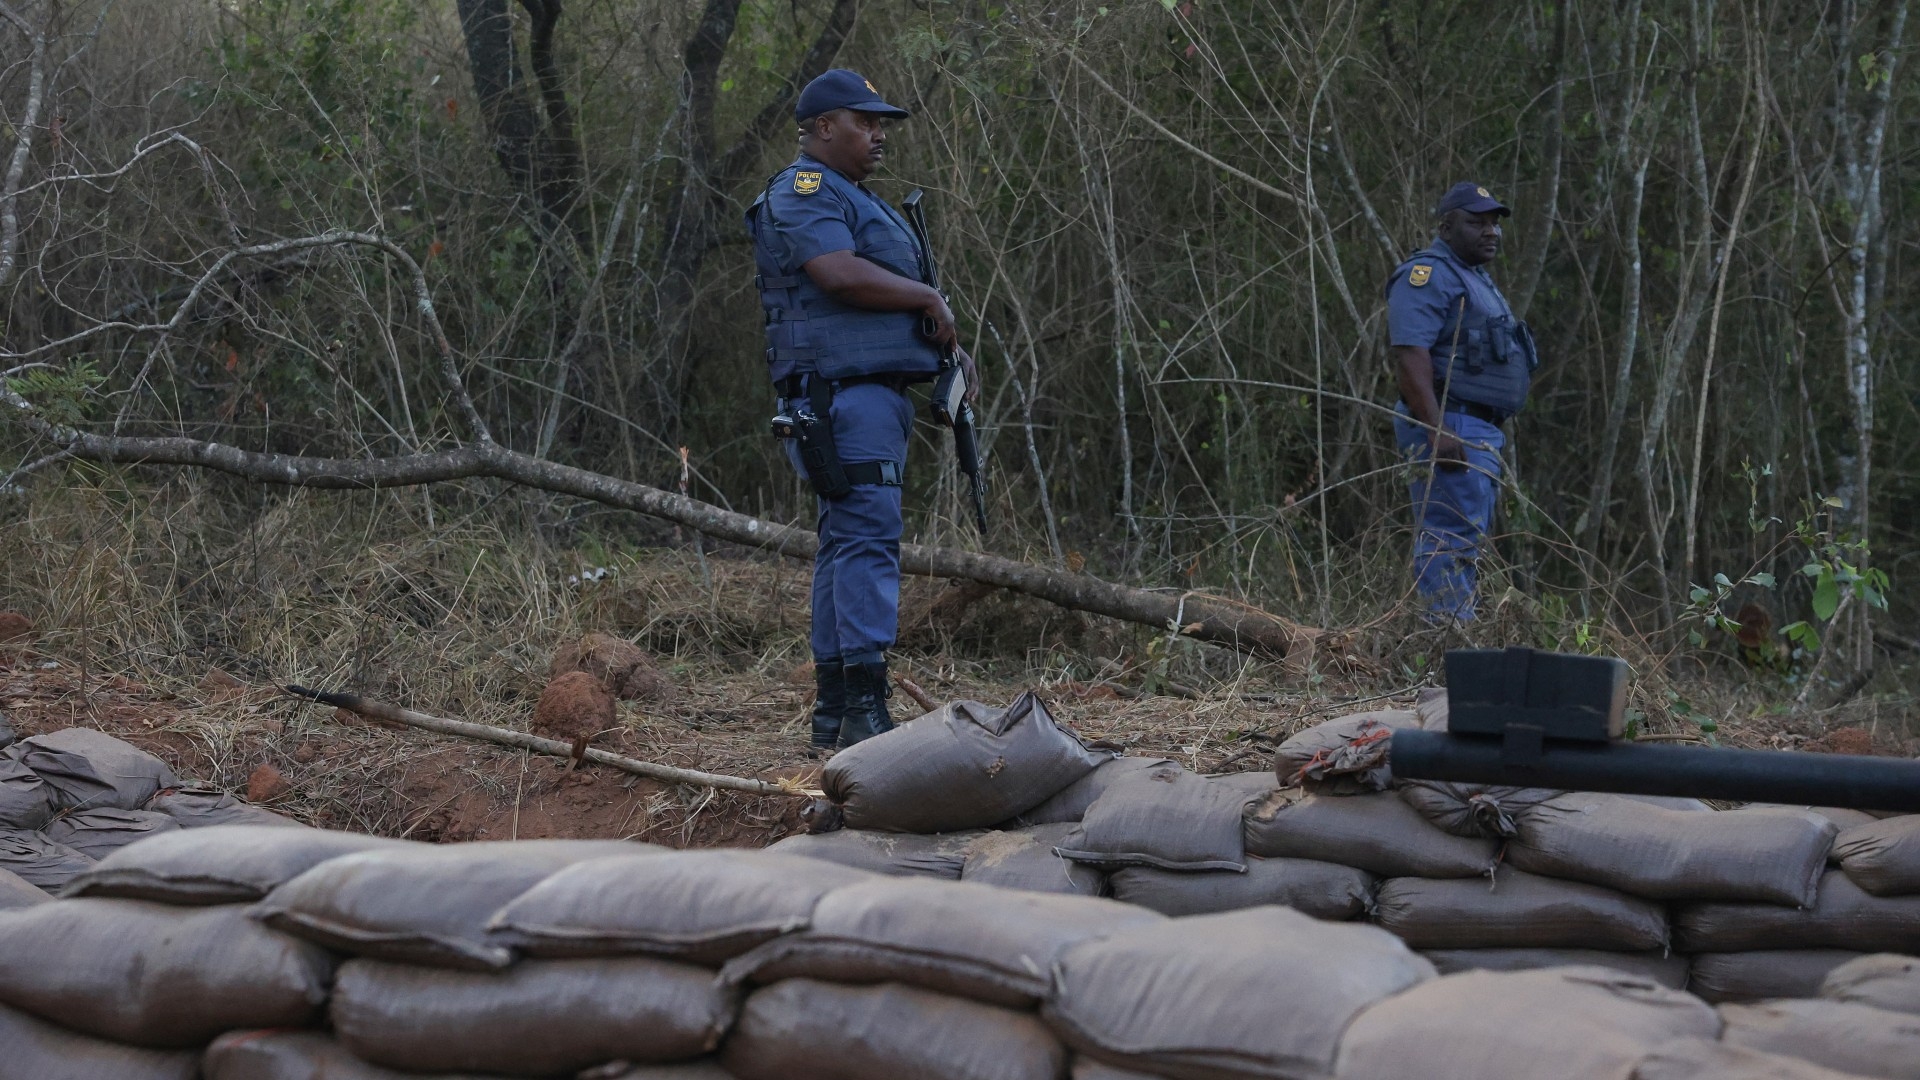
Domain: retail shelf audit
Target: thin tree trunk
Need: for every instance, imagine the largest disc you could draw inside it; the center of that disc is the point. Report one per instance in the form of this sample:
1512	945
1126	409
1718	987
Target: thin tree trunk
23	142
1549	210
1593	522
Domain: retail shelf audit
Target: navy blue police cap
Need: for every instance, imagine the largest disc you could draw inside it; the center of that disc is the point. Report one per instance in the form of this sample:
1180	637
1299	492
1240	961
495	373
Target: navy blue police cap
843	89
1472	198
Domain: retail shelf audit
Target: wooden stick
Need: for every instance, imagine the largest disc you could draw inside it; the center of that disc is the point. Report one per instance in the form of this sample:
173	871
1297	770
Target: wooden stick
377	710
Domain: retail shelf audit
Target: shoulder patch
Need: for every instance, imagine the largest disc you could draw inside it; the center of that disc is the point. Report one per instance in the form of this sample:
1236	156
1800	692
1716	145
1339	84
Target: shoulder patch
1419	275
806	183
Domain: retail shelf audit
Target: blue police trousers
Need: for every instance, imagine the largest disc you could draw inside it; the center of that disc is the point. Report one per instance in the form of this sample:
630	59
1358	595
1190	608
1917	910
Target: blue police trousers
856	573
1452	511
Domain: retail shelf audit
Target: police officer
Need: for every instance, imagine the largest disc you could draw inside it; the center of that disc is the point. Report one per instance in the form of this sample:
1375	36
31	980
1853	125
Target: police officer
851	323
1463	364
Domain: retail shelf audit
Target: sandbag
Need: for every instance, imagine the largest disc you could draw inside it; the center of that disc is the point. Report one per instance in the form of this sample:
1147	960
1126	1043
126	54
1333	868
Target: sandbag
1667	969
801	1029
1024	859
1837	1034
1842	917
1258	993
704	1069
703	907
1164	816
40	862
296	1055
1248	787
1759	974
26	802
199	808
973	941
1476	810
962	766
938	855
32	1049
1583	1023
99	833
157	976
18	892
1519	911
1882	980
1769	856
225	864
1882	857
1323	890
1430	705
1344	756
1071	804
1089	1069
1842	818
539	1017
1704	1059
1377	833
423	905
88	769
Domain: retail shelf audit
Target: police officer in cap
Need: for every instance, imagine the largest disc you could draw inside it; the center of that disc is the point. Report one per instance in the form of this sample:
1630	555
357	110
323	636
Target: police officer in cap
1463	363
851	323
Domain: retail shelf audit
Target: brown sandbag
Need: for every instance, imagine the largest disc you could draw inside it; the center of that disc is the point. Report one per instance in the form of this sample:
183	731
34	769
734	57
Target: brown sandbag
40	862
538	1018
703	907
963	766
1071	804
154	975
18	892
1261	993
224	864
199	808
1582	1023
973	941
1476	810
1883	857
32	1049
99	833
1164	816
296	1055
1882	980
1767	856
1024	859
423	905
1838	1034
1519	911
1704	1059
1323	890
1842	917
88	769
1667	969
1759	974
801	1029
1343	756
1377	833
26	802
937	855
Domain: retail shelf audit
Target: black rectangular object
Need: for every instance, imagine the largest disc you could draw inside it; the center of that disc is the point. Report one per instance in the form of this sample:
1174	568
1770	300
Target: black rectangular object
1578	698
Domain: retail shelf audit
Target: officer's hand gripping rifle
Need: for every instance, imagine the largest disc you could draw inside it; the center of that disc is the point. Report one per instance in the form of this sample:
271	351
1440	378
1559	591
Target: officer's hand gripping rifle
950	388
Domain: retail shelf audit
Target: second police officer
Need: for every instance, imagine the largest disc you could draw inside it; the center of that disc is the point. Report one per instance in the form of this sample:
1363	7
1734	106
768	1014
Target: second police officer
851	323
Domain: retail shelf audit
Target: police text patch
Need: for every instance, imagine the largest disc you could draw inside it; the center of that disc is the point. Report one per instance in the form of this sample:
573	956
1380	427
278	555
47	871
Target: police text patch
806	183
1419	275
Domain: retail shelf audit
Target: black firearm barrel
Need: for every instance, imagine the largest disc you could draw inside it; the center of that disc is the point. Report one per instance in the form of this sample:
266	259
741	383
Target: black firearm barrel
1773	776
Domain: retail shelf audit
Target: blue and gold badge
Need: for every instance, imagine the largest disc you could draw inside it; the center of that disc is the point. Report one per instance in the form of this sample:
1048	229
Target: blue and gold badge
806	183
1420	275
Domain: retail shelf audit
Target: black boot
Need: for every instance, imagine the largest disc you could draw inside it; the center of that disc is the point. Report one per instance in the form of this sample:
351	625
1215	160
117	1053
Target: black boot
829	703
867	692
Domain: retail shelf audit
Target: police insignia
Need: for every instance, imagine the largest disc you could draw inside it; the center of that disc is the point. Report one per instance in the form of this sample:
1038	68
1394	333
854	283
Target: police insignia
806	183
1483	193
870	85
1419	275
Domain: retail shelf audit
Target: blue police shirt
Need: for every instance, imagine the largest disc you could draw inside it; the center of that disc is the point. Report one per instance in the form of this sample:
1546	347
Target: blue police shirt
1437	302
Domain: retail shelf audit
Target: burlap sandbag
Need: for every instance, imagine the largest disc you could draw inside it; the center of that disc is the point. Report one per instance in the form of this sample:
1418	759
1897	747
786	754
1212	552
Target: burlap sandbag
1323	890
225	864
154	975
423	905
297	1055
1759	974
1882	857
1164	816
88	769
1583	1023
704	907
1519	911
99	833
39	861
1071	804
1842	818
1841	1035
1377	833
32	1049
1704	1059
26	802
973	941
1430	705
1882	980
801	1029
538	1018
1261	993
937	855
1025	859
1667	969
1771	856
1085	1068
1842	917
962	766
1344	756
1248	787
18	892
199	808
1476	810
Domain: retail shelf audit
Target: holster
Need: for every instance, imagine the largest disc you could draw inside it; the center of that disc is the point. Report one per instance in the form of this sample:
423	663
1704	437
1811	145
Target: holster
819	455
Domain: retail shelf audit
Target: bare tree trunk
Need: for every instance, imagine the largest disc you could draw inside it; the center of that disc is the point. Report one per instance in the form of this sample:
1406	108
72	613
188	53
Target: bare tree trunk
1549	211
23	141
541	157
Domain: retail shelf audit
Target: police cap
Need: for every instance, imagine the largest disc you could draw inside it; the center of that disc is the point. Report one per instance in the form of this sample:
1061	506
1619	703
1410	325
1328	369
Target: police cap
1472	198
843	89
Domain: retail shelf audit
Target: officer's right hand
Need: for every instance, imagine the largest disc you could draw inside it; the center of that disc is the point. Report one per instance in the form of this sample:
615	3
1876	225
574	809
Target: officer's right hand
940	319
1449	453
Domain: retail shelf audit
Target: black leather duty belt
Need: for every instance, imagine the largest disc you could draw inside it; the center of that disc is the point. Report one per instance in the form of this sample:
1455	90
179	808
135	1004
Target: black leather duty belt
1479	412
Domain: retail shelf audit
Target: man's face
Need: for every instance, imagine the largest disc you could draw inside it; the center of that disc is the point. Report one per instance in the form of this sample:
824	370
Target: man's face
1473	237
851	141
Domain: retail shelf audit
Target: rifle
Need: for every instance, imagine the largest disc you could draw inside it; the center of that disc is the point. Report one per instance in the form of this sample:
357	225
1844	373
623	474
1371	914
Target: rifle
949	405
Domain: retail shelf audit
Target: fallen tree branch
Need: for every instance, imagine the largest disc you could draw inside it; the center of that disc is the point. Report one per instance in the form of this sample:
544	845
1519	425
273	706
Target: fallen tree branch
519	740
